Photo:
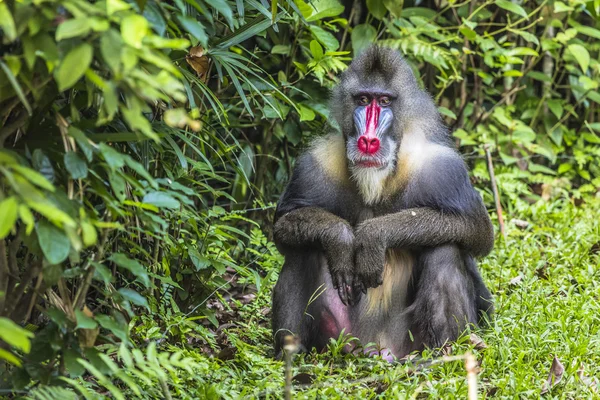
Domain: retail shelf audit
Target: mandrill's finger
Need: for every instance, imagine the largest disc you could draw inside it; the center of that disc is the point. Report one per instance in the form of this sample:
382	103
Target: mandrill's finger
343	294
356	293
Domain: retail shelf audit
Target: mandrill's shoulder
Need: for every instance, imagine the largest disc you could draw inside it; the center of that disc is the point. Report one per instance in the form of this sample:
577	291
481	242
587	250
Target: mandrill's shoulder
328	155
320	178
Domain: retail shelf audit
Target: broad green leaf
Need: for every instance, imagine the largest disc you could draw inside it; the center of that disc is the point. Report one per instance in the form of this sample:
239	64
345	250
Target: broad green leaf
82	140
394	6
102	273
118	184
280	49
306	114
527	36
73	66
89	234
316	50
556	107
131	265
251	29
328	40
34	177
8	211
539	76
134	29
72	28
9	357
16	86
134	297
589	31
522	51
199	261
70	358
362	36
161	200
7	23
512	7
533	167
194	27
83	321
50	211
75	165
27	218
581	55
53	241
446	112
559	7
223	8
110	48
117	329
377	8
113	158
113	6
323	9
564	167
14	335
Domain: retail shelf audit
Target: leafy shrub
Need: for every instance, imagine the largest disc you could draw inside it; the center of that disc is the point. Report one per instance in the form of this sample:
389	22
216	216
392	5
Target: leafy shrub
142	145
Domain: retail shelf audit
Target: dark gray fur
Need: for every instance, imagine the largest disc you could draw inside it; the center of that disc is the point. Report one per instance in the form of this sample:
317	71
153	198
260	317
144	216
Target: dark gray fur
329	236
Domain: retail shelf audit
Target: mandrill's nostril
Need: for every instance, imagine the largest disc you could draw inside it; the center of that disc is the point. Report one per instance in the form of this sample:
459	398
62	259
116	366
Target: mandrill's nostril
368	145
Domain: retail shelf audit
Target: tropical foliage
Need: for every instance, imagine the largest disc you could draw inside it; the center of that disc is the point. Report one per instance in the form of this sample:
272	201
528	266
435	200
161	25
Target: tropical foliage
143	145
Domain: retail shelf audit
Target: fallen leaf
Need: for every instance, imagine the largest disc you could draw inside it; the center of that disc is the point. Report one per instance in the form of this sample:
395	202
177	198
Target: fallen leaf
554	376
542	272
303	378
516	280
228	353
519	223
87	337
591	382
198	61
477	342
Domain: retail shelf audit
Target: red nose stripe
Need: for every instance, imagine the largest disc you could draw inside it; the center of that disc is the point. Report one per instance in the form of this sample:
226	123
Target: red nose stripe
372	112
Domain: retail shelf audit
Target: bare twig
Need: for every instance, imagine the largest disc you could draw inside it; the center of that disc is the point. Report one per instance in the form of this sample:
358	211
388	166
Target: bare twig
82	292
12	127
495	190
471	367
3	273
15	297
34	297
290	347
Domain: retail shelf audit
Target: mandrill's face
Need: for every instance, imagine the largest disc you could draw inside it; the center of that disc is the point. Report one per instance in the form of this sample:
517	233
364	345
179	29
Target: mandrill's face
372	148
373	140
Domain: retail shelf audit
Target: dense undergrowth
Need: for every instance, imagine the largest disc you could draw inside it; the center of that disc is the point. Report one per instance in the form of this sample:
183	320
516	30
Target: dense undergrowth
143	145
545	281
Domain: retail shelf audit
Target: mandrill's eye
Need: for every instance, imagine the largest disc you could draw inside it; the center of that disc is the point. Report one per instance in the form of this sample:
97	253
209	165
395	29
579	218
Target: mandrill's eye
363	100
384	101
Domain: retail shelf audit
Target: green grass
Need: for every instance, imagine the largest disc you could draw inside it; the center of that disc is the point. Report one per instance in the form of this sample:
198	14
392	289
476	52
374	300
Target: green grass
552	310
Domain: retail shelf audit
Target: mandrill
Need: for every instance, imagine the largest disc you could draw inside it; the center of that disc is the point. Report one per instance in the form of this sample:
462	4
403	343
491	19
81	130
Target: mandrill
381	222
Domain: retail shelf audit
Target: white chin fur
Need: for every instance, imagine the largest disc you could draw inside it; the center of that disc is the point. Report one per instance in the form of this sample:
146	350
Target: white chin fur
371	182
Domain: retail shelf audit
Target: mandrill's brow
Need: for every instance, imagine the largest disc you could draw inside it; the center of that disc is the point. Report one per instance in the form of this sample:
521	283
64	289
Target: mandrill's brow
374	93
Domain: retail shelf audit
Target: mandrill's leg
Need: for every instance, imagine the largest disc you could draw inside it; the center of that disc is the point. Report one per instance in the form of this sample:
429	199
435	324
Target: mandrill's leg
290	298
445	300
306	304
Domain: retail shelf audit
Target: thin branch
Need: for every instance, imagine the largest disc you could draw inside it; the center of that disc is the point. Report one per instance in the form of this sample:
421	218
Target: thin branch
495	190
3	273
12	128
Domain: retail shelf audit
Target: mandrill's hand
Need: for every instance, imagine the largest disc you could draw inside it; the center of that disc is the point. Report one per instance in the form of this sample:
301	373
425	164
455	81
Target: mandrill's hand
339	252
369	255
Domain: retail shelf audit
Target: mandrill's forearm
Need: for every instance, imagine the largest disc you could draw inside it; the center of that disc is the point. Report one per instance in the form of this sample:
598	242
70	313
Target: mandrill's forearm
426	227
312	227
